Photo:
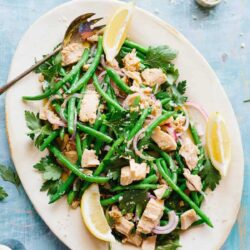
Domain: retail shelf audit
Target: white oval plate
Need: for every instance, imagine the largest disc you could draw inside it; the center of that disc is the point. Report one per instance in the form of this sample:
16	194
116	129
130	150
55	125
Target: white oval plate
222	205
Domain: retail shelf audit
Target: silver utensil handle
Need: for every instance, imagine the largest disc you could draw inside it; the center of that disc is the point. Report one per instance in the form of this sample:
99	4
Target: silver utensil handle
27	71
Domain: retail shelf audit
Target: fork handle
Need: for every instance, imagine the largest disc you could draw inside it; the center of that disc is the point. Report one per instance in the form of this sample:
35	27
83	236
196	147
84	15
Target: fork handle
30	69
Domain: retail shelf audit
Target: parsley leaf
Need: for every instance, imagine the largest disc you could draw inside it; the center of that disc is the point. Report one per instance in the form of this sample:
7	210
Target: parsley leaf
51	171
37	130
210	175
9	175
172	74
159	56
121	122
3	194
51	174
181	87
131	198
168	241
50	69
51	186
178	92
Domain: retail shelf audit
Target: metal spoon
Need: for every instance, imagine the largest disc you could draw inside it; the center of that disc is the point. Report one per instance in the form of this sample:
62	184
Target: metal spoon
74	33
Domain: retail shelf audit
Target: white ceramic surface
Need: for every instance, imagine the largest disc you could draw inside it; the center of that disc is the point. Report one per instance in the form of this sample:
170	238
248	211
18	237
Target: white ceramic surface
222	205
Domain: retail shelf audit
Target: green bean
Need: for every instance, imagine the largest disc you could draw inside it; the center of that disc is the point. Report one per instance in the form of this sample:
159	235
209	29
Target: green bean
139	124
105	96
195	135
181	164
150	179
86	129
65	79
135	186
99	143
165	168
71	196
107	157
111	200
64	87
78	147
118	81
165	100
49	139
110	89
198	222
195	198
63	188
71	115
136	46
91	70
62	72
57	153
183	195
84	144
158	121
96	126
171	165
93	132
138	210
62	133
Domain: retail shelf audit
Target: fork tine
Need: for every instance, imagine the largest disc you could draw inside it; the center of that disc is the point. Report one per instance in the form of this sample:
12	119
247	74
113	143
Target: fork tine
93	21
98	27
88	15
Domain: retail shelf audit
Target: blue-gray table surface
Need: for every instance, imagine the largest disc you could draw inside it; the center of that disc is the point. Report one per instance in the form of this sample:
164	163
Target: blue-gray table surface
222	35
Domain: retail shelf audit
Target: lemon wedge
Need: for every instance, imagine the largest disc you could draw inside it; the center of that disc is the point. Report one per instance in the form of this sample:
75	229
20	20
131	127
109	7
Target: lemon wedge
116	31
93	215
218	143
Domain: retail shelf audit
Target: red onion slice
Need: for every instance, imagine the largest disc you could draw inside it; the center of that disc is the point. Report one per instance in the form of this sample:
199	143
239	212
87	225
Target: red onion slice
198	108
173	221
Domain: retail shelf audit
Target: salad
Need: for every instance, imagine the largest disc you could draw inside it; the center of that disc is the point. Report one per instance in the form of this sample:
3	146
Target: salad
121	142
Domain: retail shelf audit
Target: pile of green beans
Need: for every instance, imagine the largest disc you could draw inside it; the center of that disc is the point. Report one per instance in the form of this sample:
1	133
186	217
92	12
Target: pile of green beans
164	167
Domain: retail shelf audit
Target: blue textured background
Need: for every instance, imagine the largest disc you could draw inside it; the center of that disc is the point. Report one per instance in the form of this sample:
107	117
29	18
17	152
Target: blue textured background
219	34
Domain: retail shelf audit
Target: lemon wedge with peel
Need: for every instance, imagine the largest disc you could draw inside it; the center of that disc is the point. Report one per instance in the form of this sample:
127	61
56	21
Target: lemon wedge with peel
116	31
218	143
93	214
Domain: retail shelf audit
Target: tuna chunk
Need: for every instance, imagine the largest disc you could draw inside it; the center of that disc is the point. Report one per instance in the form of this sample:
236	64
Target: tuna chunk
163	139
188	218
72	53
46	113
149	243
134	239
193	181
133	75
151	216
131	61
115	213
153	76
89	159
71	155
189	152
134	172
126	176
124	226
138	170
89	105
159	192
